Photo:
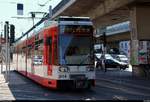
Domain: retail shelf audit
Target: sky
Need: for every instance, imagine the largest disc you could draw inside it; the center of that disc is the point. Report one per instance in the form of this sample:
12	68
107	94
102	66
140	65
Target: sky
8	10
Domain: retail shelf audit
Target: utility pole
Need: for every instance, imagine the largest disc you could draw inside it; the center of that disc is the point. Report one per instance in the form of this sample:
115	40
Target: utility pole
1	54
6	48
33	17
1	47
103	32
104	51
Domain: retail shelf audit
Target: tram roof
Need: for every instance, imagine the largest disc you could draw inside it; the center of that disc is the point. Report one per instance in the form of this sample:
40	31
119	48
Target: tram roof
47	23
72	18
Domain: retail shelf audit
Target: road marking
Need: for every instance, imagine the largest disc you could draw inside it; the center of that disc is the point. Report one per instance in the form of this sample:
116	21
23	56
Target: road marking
124	89
116	97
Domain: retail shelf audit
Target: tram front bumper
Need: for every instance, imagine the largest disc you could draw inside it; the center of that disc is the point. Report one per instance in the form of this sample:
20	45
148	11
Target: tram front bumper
77	84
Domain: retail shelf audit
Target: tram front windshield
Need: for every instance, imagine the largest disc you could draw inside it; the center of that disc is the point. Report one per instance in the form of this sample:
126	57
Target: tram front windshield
74	48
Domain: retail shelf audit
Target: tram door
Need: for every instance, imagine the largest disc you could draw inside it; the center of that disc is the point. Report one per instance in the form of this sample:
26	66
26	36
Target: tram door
29	59
38	58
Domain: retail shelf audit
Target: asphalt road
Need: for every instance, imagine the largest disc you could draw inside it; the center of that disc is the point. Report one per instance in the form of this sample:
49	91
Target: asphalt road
108	87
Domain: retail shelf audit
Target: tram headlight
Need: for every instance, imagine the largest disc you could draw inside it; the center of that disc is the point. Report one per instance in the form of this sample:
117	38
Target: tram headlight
63	69
90	68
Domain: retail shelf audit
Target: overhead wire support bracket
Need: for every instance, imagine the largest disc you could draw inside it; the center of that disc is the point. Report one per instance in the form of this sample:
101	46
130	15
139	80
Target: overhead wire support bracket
34	26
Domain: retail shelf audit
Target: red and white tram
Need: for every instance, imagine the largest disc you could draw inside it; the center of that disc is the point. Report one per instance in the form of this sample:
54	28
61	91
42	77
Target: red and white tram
60	55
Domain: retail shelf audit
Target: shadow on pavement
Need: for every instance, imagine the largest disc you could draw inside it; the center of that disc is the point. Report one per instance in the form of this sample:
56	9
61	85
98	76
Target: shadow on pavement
112	85
122	77
23	88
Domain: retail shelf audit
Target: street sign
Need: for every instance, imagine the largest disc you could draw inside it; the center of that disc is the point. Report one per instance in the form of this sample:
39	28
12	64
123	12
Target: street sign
19	9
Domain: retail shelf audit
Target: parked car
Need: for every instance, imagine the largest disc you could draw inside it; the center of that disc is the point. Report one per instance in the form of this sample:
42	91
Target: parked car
122	58
110	62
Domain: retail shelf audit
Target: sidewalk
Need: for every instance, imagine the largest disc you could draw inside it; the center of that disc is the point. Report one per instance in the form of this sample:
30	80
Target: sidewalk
2	79
5	91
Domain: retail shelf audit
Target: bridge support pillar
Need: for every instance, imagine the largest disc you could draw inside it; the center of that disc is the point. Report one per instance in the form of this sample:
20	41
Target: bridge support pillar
140	31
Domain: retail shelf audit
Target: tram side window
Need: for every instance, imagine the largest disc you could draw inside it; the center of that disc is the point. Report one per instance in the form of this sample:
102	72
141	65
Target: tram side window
38	53
49	44
23	52
49	41
29	53
19	53
55	51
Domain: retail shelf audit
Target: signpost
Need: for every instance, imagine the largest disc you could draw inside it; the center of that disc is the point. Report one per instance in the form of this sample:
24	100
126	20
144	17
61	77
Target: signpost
103	32
6	52
104	51
1	55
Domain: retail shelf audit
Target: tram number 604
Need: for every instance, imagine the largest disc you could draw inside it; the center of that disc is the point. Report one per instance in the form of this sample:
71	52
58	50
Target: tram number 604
63	76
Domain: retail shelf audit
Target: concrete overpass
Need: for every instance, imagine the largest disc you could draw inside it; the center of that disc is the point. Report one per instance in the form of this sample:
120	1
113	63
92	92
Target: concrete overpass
118	32
102	12
105	12
108	12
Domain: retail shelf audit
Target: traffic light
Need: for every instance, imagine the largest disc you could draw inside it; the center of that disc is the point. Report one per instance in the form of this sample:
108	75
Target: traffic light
12	33
5	27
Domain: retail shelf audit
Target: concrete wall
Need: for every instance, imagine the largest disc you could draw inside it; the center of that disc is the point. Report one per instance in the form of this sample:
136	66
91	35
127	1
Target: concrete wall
143	22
